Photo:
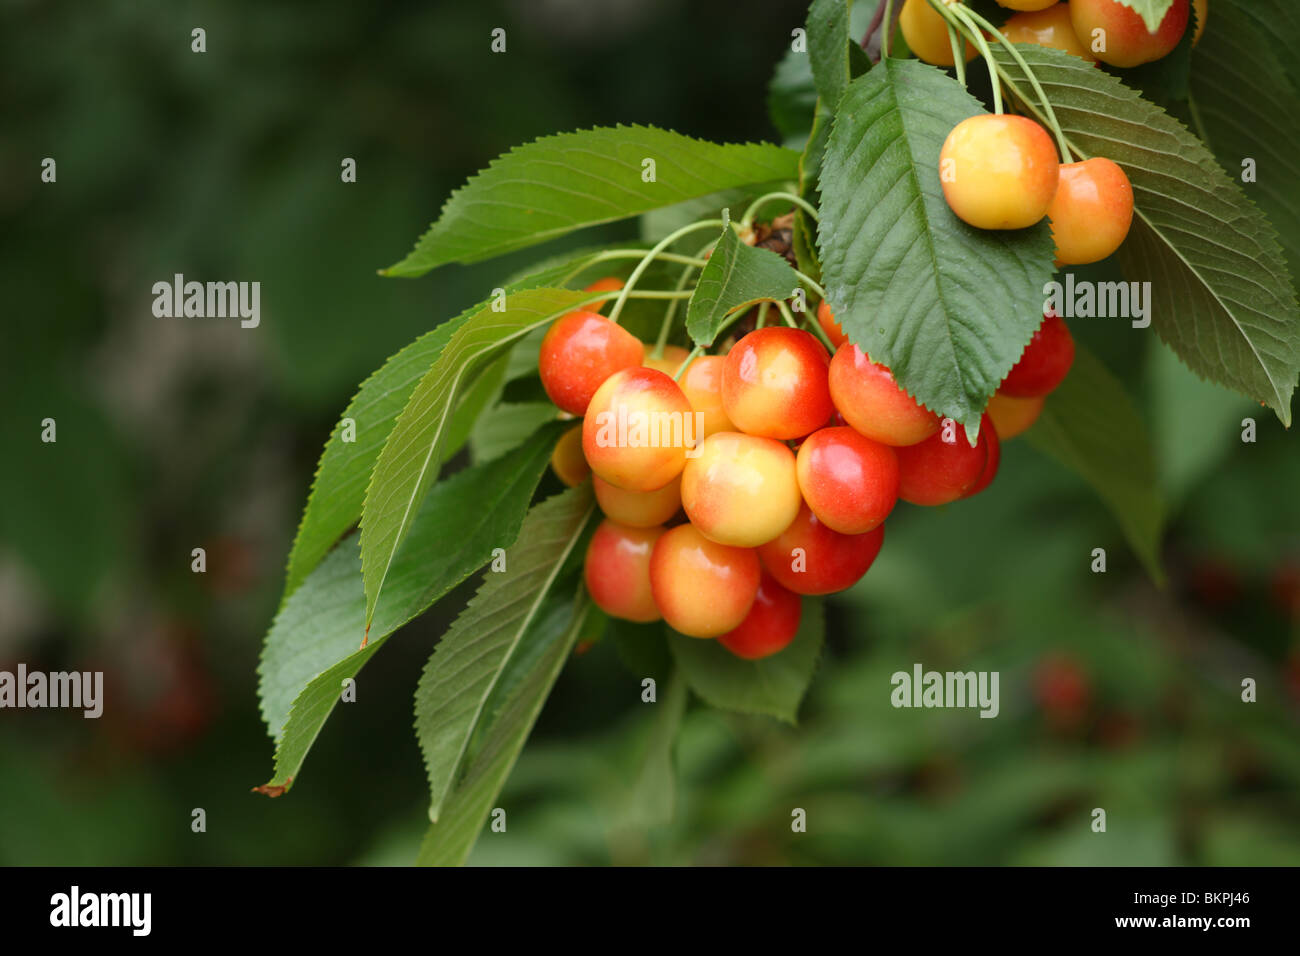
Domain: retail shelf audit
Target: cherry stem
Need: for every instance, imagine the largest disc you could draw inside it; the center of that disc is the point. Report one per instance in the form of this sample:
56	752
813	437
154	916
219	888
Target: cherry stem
762	314
963	15
802	203
786	314
695	353
822	334
958	57
821	293
887	37
1010	47
666	326
650	256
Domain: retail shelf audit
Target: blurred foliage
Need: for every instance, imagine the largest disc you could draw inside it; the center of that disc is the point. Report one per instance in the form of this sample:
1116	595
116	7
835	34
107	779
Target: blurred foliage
176	434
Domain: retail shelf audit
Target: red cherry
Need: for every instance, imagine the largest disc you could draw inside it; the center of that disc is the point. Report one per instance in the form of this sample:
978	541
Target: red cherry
774	383
942	468
810	558
826	319
1045	362
866	394
579	352
702	588
849	481
770	625
988	438
617	570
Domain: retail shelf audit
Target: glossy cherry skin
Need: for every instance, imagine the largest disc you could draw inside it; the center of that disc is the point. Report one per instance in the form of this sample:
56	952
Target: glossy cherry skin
1045	362
1125	40
1013	416
770	625
833	330
865	393
999	172
607	284
638	509
810	558
702	385
774	383
579	352
1047	25
989	439
926	33
742	489
669	362
702	588
567	461
617	570
942	468
1091	212
849	481
637	430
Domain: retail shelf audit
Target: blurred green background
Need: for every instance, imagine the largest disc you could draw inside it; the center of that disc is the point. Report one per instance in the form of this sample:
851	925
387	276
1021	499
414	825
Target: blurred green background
176	434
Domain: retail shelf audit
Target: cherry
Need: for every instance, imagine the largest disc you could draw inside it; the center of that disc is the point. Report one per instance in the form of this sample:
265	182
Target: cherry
567	461
637	430
770	625
926	33
1045	362
617	570
607	284
810	558
988	438
849	481
774	383
1123	38
865	393
581	350
1091	212
638	509
833	330
1047	24
999	171
1062	689
942	468
1031	5
702	588
741	490
702	385
1012	416
669	362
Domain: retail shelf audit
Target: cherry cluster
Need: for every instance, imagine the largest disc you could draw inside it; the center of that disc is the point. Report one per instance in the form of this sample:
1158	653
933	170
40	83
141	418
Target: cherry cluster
731	484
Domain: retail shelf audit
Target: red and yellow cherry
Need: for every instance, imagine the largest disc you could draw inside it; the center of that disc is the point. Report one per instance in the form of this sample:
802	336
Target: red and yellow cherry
865	393
638	509
1045	362
701	587
943	467
702	385
1013	416
607	284
774	383
637	430
849	481
567	461
1118	35
669	362
741	490
617	570
1202	8
810	558
1091	212
833	330
1047	25
770	625
1031	5
579	352
926	33
999	171
988	437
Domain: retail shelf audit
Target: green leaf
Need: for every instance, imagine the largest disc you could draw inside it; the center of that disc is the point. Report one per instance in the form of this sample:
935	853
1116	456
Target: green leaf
650	798
1091	426
449	841
560	183
949	308
773	686
828	48
409	461
1152	12
468	662
313	643
792	96
1223	298
505	425
735	277
339	489
1241	89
